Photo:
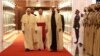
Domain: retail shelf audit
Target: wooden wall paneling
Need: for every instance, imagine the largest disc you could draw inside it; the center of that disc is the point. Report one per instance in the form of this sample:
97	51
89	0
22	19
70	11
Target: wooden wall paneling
19	11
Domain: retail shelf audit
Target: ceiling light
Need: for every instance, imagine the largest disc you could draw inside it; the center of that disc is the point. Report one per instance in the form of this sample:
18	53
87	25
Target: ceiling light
64	5
38	4
6	3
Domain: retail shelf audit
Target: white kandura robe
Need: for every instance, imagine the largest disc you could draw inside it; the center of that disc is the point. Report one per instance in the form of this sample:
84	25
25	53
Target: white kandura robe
59	34
28	26
39	19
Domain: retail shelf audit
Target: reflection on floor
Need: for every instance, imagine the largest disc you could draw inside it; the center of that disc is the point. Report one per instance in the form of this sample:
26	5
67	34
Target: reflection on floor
77	50
74	49
67	42
8	39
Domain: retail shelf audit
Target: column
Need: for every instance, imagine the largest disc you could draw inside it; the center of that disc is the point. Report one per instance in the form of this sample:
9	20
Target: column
1	25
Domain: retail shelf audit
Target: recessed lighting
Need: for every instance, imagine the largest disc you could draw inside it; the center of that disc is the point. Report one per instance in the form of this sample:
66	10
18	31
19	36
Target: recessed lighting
6	3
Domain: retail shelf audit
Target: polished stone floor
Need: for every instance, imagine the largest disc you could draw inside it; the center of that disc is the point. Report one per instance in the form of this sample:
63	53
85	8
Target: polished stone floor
74	49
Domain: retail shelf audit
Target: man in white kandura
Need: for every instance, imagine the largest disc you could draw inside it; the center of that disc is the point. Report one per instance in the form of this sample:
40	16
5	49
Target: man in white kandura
28	28
41	30
54	39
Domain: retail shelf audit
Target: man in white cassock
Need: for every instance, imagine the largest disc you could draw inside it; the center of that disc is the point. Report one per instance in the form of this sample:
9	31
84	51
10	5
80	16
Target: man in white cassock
54	37
28	28
41	30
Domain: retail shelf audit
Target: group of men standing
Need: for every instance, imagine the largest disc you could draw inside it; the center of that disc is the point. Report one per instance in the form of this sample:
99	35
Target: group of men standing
43	31
91	24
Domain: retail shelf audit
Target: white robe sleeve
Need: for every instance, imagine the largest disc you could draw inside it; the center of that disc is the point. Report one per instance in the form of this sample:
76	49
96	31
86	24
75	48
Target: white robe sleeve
22	20
36	19
46	22
59	33
59	24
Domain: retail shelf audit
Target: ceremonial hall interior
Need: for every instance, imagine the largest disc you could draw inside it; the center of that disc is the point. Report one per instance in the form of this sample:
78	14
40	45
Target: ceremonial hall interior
82	41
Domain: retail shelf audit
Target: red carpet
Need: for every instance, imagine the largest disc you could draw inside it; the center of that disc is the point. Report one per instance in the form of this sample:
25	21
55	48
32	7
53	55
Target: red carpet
17	49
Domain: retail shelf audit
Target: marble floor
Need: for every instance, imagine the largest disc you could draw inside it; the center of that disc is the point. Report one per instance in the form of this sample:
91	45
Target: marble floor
74	49
8	39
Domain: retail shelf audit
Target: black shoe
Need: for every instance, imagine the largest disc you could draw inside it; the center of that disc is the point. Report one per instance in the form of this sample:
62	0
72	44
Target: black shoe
76	42
53	50
27	50
80	44
83	49
39	49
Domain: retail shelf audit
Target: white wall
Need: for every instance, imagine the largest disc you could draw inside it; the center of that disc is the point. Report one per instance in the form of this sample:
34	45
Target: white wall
1	24
67	17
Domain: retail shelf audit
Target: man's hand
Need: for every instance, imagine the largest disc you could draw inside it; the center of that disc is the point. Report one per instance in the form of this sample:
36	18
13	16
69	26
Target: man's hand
23	32
46	30
35	31
35	43
59	29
